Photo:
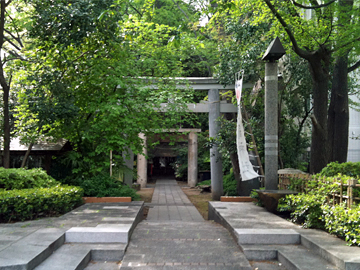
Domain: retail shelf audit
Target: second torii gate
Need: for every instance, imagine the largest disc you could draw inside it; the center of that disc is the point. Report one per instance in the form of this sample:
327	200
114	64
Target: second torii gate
214	107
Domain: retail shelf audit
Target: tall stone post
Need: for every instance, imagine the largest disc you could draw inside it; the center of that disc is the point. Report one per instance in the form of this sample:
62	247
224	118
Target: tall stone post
192	159
215	157
142	164
271	126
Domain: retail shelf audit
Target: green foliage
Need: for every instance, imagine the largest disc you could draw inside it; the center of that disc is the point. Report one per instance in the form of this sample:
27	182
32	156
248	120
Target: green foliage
22	179
105	186
312	210
204	183
255	195
342	222
30	204
229	185
348	168
83	87
306	209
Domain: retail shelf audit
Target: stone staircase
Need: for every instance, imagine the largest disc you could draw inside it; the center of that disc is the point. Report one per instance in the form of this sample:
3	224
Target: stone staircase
263	236
74	248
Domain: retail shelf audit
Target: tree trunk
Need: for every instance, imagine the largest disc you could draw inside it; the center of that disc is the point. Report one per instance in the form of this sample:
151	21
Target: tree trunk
235	164
6	152
338	114
6	89
319	69
27	154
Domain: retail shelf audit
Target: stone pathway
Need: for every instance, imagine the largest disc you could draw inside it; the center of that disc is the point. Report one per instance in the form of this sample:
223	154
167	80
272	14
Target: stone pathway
175	236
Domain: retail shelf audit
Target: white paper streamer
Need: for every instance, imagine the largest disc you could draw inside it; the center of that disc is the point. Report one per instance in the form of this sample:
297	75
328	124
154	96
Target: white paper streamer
246	168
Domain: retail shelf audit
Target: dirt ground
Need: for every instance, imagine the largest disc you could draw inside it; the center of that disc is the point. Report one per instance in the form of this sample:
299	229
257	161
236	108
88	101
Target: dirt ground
198	199
146	194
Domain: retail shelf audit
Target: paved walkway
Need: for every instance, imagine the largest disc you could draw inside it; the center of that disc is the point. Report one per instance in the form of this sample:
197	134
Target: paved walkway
175	236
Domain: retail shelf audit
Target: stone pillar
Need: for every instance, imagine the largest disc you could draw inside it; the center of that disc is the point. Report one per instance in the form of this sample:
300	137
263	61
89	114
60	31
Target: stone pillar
192	159
271	126
142	164
215	157
129	163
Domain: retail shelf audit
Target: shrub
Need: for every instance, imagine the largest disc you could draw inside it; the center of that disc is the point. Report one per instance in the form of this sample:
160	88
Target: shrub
342	222
105	186
204	183
306	209
21	179
30	204
348	168
229	185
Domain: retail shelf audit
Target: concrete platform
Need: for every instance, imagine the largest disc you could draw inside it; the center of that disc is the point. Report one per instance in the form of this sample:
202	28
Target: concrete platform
317	249
41	244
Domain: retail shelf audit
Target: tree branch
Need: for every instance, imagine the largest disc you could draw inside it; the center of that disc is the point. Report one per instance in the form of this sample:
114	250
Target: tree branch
313	7
18	39
8	3
12	43
137	11
296	47
353	67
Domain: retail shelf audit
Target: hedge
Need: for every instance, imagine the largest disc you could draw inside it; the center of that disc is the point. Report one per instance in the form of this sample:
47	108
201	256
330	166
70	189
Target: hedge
21	179
347	168
313	209
28	204
103	185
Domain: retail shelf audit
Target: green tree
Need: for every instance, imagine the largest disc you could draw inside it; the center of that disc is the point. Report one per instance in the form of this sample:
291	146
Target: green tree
11	44
244	44
82	83
327	33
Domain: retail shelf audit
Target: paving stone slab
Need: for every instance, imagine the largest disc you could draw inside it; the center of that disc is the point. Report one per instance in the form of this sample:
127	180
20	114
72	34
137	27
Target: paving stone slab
267	236
106	234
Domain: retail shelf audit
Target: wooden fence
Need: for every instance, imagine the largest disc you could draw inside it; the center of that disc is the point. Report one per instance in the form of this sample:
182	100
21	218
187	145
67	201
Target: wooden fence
345	193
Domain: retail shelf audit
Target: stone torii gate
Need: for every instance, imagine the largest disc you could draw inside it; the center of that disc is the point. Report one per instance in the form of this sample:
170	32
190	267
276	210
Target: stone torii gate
214	107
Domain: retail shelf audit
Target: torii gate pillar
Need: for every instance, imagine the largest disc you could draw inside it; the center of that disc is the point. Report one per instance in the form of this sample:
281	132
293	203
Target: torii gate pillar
215	157
192	159
142	164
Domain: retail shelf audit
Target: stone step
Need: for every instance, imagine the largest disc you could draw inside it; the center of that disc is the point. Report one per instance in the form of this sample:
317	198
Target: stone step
69	257
77	256
292	257
300	258
332	249
30	251
267	236
107	233
99	265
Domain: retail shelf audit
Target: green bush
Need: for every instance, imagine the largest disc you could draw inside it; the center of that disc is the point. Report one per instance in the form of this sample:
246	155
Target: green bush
204	183
27	204
306	209
348	168
105	186
21	179
229	184
312	209
342	222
